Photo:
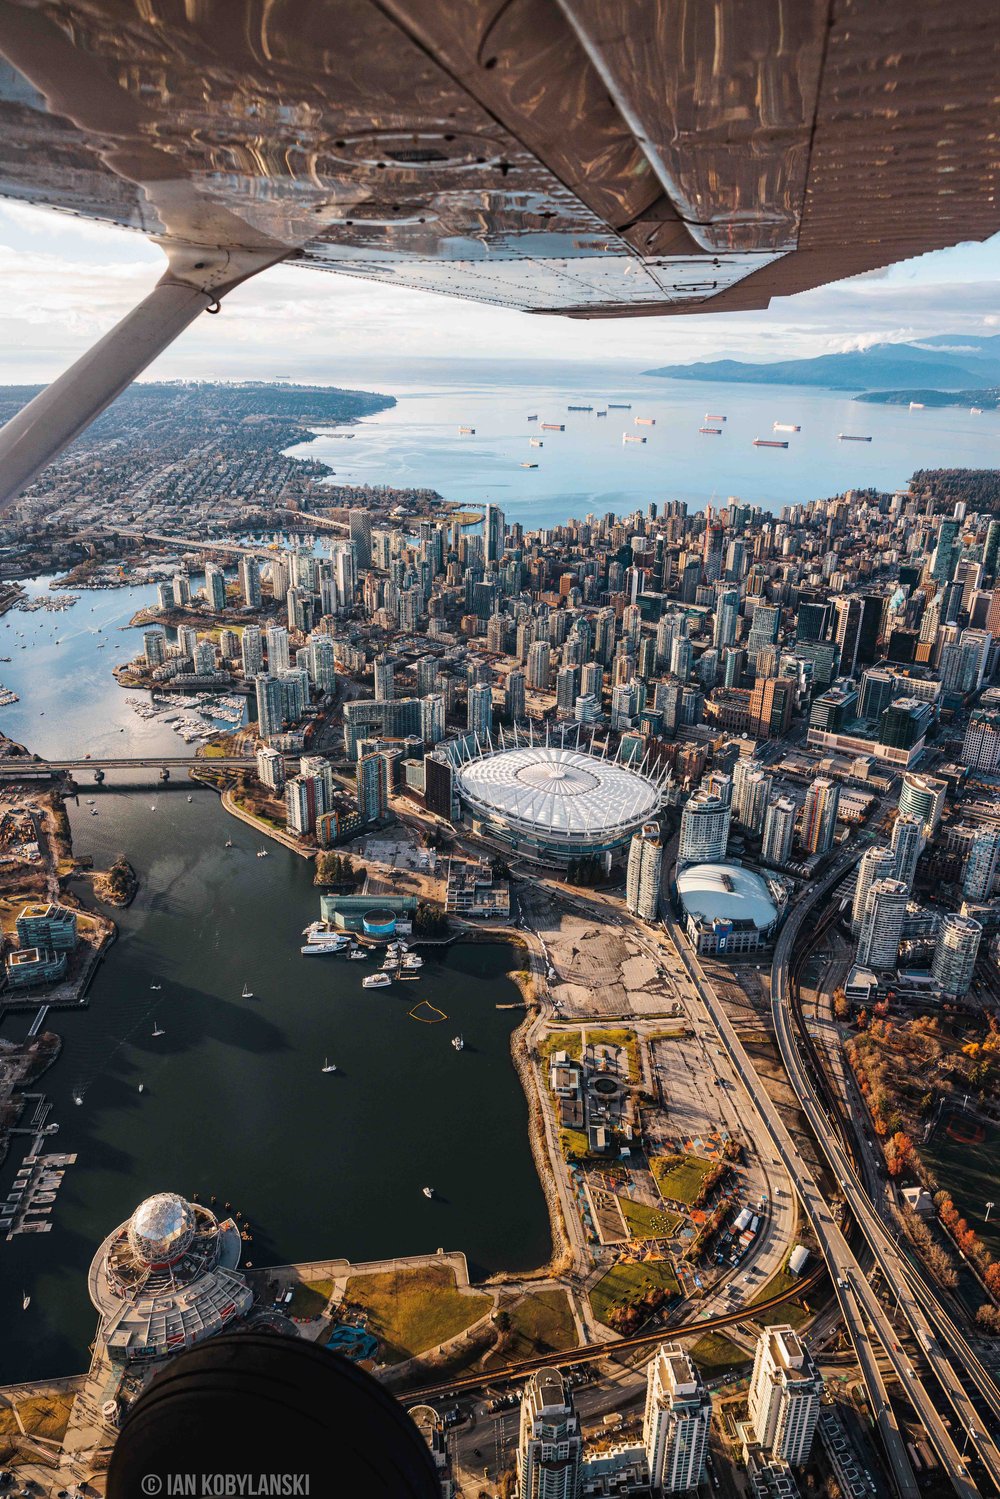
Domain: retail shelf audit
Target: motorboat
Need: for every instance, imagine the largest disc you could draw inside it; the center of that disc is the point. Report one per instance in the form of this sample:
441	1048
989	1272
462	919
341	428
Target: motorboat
357	954
229	843
25	1301
428	1191
156	986
78	1100
413	961
142	1087
376	981
458	1042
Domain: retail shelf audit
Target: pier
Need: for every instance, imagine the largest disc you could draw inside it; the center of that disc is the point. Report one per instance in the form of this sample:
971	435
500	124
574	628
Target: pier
29	1203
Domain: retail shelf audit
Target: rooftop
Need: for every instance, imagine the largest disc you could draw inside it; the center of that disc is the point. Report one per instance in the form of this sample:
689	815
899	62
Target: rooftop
726	892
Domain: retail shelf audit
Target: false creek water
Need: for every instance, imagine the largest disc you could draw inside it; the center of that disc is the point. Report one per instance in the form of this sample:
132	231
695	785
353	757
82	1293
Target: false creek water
234	1101
587	467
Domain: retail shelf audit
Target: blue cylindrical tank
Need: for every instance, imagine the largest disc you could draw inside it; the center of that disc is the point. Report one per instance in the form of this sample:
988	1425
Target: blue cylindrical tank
379	923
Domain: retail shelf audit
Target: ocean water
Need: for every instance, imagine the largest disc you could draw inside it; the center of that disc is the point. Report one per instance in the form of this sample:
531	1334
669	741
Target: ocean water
588	467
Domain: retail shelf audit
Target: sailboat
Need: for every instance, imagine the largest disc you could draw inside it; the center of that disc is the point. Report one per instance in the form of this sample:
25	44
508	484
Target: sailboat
25	1301
247	992
328	1066
229	843
158	1029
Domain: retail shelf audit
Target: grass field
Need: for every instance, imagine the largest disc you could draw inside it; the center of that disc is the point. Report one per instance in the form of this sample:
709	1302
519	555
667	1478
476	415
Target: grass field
648	1223
567	1041
716	1354
542	1323
310	1298
971	1174
573	1142
788	1311
619	1037
413	1310
627	1281
680	1177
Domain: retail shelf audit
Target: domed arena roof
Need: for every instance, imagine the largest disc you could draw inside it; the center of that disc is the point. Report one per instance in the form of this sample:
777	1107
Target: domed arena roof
727	892
161	1228
563	793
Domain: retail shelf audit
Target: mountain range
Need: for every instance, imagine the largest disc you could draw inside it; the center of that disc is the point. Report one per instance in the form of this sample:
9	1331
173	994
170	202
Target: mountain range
947	362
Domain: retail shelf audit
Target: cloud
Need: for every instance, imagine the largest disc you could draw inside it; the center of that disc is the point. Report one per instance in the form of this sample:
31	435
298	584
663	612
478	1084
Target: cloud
64	281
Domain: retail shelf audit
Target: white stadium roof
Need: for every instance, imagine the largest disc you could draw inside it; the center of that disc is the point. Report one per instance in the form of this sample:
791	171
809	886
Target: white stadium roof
563	793
726	892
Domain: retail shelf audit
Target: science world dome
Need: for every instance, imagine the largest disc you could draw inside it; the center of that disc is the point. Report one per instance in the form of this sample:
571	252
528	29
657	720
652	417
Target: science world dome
161	1229
552	802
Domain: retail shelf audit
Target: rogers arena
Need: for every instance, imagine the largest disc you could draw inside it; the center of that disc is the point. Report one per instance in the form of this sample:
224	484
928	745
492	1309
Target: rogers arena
551	803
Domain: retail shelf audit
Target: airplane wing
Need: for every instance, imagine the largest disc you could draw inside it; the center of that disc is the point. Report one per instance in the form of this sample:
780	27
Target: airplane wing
594	158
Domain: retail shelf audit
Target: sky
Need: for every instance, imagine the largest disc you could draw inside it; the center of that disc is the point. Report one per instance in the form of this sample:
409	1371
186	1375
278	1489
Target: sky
65	281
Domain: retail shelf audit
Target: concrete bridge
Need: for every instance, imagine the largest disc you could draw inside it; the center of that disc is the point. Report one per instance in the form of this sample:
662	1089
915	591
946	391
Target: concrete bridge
17	769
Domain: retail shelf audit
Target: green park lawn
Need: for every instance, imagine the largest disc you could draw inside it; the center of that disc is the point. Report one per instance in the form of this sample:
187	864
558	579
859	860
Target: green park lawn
567	1041
310	1298
625	1039
788	1311
716	1354
627	1281
680	1177
413	1310
542	1322
644	1222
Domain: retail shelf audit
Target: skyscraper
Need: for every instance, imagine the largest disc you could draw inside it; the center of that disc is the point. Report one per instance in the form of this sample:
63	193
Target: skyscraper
515	695
981	745
252	651
979	875
645	867
550	1447
479	712
677	1421
385	679
300	805
846	631
250	582
270	706
727	614
882	924
784	1397
432	718
704	829
779	830
360	524
764	628
276	640
752	789
493	534
567	687
215	586
538	665
372	788
922	798
819	815
154	645
875	864
907	844
955	954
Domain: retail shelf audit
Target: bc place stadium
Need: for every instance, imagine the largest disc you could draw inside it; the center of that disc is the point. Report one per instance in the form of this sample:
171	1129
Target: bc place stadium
550	801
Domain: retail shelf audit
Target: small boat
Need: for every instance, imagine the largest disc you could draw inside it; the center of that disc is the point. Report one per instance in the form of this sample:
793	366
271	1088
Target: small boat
975	411
190	798
376	981
458	1042
529	465
156	986
427	1191
328	1066
153	807
262	853
78	1100
25	1301
158	1029
413	961
141	1087
93	812
229	843
247	992
916	405
357	953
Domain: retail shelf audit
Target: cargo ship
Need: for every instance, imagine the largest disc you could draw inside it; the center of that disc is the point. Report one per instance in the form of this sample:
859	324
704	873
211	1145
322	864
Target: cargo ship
553	426
916	405
619	405
769	442
535	442
785	427
711	416
529	465
533	418
645	421
632	437
579	408
850	437
711	431
466	431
